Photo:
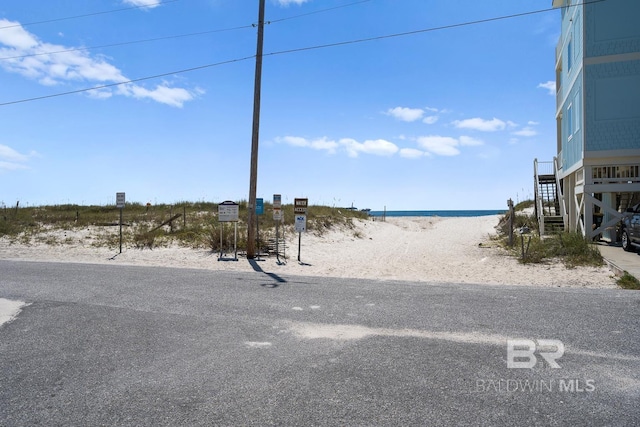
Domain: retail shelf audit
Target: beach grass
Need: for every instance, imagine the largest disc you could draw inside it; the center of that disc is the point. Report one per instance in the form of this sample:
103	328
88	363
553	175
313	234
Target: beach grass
194	224
627	281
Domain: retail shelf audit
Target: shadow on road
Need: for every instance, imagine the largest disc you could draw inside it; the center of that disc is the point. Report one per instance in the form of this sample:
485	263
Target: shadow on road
256	267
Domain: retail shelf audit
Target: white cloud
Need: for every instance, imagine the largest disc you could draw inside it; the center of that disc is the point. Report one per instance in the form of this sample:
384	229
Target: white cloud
412	153
14	36
532	123
29	57
288	2
378	147
163	94
406	114
440	145
8	153
430	120
469	141
525	131
322	144
481	124
143	3
8	166
550	86
11	159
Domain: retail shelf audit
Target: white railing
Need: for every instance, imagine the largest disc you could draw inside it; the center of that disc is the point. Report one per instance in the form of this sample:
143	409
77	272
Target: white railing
560	195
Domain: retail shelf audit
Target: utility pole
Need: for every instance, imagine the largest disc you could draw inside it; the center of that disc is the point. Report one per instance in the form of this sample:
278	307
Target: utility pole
251	231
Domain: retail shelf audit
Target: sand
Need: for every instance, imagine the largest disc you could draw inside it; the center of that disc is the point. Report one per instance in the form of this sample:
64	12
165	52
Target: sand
416	249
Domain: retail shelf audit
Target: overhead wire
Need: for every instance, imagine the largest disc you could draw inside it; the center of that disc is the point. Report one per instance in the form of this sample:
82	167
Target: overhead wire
317	11
4	58
288	51
168	37
87	15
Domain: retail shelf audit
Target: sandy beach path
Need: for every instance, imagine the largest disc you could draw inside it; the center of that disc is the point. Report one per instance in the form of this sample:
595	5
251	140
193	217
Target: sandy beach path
422	249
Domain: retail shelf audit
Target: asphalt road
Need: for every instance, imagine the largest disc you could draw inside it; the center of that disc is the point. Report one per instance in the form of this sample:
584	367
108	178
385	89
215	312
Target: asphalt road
130	346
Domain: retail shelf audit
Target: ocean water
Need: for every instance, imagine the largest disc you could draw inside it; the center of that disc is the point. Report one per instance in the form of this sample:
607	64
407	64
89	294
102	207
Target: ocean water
444	213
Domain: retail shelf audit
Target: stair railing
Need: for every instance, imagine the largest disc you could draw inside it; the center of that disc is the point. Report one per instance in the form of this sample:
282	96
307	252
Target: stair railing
560	193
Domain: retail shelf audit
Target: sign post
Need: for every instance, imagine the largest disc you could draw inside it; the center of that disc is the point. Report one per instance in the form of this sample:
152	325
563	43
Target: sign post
277	217
259	211
228	211
300	212
120	202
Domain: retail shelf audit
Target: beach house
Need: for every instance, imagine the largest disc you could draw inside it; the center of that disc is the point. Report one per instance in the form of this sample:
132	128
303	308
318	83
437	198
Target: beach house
596	174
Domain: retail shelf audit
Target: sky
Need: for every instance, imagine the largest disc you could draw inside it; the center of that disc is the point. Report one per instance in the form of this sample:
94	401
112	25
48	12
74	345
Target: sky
379	104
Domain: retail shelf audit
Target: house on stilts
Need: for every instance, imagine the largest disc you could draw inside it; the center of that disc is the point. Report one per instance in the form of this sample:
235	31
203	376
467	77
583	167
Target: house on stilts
595	177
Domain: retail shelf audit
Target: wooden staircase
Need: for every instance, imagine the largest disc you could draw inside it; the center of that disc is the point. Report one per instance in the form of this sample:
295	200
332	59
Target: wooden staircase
547	199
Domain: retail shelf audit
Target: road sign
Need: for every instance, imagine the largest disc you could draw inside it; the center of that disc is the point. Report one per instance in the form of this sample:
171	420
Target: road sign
277	214
259	206
277	201
228	211
301	223
300	206
120	200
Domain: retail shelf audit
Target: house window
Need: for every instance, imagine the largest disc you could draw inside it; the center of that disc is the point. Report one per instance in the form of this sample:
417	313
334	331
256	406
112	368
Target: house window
569	55
576	112
570	121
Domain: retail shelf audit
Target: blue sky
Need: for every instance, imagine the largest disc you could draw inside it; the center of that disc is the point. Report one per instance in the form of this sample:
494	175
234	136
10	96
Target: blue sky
448	116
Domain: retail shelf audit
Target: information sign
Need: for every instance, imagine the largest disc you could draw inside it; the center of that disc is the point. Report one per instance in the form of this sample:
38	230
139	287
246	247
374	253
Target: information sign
228	211
301	223
300	206
120	200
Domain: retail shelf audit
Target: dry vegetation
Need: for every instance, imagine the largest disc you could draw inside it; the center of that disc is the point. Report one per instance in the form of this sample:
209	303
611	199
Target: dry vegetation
196	226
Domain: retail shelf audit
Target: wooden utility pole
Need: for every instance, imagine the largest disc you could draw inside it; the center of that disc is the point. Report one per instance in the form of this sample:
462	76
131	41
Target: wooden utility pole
251	209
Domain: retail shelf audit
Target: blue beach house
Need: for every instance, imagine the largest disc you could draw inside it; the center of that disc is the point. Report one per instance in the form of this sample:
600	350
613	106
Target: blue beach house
597	168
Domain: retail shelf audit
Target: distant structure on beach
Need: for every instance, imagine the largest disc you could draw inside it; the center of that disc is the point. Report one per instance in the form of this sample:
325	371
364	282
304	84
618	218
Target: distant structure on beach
596	174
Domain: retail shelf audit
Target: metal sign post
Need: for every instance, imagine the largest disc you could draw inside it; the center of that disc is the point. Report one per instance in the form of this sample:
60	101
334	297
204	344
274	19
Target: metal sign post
228	211
300	212
259	211
277	217
120	202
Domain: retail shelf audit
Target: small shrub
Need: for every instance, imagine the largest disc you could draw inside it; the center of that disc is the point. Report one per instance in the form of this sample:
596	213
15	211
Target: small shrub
627	281
144	240
572	248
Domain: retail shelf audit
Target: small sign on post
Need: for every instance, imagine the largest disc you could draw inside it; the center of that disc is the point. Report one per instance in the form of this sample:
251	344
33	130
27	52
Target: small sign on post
120	202
301	223
277	217
259	211
300	211
300	206
228	211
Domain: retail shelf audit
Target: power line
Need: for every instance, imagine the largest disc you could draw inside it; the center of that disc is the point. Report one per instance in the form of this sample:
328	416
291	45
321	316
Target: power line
282	52
86	15
318	11
157	76
124	43
165	37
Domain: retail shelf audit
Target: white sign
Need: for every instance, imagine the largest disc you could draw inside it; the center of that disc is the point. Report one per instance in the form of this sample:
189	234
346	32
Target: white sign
301	223
228	211
120	200
277	214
